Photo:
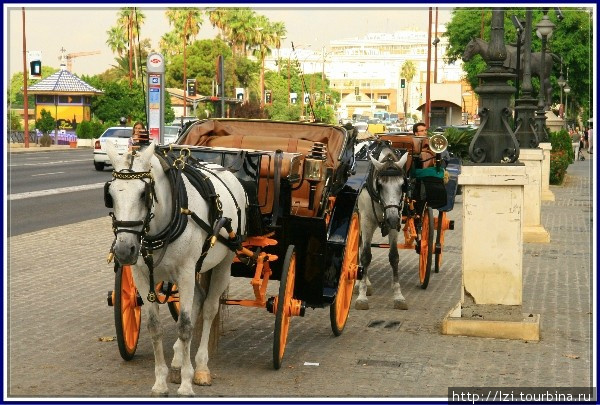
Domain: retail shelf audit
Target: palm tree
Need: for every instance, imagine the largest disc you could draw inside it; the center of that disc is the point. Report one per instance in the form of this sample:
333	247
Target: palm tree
409	70
116	40
186	22
170	44
218	17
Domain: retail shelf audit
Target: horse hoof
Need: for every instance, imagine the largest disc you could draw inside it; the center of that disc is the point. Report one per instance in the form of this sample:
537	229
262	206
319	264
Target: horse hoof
186	394
175	375
159	394
362	304
400	304
202	378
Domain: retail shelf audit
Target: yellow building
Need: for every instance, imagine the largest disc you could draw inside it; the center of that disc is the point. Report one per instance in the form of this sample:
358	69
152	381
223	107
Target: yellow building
65	96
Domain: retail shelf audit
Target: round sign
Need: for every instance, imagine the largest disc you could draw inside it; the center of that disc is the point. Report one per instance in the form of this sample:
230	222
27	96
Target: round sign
155	63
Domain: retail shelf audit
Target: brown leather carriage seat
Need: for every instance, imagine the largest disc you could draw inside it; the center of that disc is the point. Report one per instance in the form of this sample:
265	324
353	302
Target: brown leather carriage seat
415	145
271	136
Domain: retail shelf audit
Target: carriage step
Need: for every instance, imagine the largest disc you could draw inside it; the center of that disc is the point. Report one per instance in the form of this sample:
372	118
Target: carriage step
451	225
438	249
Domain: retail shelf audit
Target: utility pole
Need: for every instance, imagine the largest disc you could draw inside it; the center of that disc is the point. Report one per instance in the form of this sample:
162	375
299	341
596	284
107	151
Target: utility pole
25	76
428	83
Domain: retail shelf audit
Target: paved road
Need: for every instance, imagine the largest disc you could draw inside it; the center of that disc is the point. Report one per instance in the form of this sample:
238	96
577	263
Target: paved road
57	312
53	187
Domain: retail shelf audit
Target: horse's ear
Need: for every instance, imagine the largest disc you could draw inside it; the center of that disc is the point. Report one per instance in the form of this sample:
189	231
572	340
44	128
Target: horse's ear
402	160
377	165
112	153
148	152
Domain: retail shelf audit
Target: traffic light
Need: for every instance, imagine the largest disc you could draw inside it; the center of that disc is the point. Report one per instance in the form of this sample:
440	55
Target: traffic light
306	98
402	83
239	93
293	98
327	99
191	87
356	91
35	69
268	99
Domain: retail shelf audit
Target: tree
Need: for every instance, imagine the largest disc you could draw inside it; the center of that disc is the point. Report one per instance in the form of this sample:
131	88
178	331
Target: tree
409	70
46	123
571	39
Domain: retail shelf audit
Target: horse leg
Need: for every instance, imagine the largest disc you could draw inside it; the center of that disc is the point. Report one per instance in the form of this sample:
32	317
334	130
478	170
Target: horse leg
185	326
175	370
399	301
218	283
367	230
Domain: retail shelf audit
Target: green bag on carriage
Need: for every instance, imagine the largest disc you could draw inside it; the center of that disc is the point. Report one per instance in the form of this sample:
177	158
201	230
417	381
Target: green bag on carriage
432	186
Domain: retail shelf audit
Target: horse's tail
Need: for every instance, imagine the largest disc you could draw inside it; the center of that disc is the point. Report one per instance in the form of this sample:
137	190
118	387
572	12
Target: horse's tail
216	327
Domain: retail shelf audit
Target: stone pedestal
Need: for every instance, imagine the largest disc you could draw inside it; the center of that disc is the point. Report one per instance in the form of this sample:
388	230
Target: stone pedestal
547	194
533	231
492	256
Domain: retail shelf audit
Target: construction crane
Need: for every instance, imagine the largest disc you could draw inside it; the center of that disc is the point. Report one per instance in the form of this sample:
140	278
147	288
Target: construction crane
70	56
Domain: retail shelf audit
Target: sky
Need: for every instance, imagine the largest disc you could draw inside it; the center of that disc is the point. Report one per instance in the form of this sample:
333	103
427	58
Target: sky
82	28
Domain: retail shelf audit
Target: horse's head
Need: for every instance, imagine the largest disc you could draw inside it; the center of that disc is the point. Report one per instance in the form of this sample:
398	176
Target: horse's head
388	181
470	50
131	194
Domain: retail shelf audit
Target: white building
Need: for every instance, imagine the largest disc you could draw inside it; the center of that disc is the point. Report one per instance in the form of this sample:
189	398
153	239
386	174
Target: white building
367	72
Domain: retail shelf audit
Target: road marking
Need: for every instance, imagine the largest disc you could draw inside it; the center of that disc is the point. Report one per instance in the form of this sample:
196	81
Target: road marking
46	174
43	193
56	162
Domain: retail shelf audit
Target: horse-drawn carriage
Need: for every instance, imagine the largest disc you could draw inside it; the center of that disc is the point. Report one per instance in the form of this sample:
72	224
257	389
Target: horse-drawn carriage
263	200
298	224
409	177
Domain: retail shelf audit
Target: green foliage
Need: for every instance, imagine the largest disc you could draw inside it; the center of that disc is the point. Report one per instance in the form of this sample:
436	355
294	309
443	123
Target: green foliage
14	121
46	123
561	140
91	129
559	161
571	39
459	141
561	155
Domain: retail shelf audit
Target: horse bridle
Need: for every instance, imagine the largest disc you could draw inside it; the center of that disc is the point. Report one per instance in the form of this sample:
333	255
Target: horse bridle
389	170
149	198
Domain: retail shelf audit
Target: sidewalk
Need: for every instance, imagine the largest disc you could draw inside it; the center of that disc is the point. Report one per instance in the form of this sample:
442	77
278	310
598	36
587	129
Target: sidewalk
33	147
58	279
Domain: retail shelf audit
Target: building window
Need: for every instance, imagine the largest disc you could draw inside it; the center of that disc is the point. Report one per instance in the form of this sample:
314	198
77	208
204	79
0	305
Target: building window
44	99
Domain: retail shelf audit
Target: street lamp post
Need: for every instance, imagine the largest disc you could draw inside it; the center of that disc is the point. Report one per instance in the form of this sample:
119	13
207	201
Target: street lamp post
525	130
567	91
495	141
544	31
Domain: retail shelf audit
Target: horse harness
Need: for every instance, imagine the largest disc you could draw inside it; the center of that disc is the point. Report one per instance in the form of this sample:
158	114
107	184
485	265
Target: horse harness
373	188
175	167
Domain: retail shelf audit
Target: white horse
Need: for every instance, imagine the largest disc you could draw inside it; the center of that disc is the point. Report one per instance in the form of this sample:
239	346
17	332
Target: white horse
380	205
142	198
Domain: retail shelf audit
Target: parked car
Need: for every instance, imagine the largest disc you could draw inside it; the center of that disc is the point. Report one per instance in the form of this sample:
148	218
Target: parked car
171	133
120	138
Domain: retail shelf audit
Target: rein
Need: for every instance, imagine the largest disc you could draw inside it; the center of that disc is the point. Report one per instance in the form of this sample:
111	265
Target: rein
176	168
389	170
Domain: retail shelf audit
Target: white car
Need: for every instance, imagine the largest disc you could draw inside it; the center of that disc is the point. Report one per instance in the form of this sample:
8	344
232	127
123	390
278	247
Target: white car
120	138
171	133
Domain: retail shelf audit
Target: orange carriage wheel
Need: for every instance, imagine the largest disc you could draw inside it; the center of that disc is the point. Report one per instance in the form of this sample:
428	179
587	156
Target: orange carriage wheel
426	251
284	305
439	243
128	312
339	310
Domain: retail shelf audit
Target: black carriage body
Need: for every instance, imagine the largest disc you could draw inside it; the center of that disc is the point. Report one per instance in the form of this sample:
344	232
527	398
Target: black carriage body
319	239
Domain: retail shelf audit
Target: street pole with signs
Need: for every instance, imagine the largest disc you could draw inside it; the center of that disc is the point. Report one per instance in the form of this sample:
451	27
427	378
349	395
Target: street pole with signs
155	110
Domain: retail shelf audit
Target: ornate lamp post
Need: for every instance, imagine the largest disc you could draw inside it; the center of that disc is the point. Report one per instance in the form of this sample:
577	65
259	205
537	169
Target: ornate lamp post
495	141
525	130
567	90
544	31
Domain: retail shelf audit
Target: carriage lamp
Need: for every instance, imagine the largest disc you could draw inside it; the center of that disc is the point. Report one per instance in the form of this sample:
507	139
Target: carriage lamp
314	169
438	143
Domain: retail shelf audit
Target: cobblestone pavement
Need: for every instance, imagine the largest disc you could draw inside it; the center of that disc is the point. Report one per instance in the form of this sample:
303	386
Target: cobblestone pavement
57	312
